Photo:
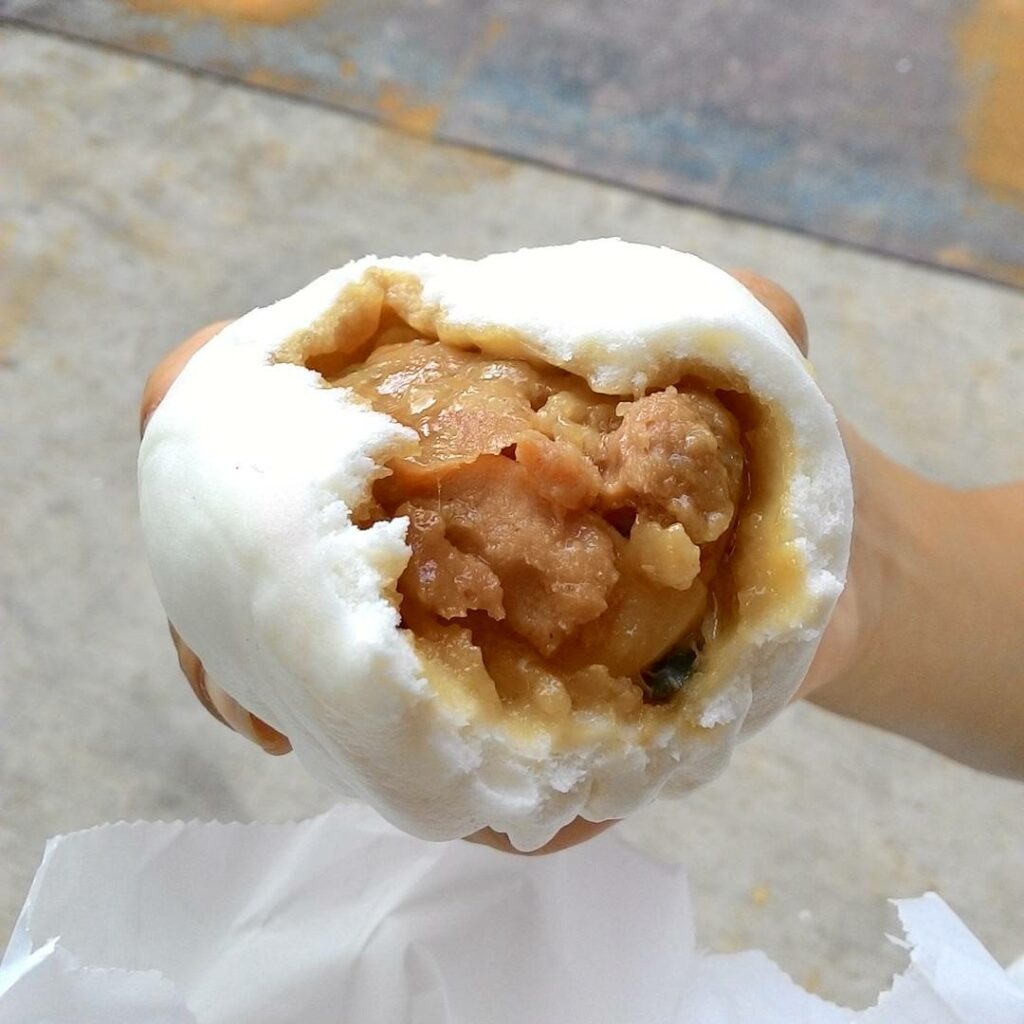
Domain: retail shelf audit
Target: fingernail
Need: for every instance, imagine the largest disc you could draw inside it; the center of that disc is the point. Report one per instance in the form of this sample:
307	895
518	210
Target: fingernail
268	737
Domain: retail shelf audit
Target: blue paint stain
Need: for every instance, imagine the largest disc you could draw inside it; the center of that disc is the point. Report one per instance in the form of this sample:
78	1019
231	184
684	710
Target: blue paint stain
663	99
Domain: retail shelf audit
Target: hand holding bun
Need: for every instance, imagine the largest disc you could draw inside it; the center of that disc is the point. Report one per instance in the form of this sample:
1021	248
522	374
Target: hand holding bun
501	543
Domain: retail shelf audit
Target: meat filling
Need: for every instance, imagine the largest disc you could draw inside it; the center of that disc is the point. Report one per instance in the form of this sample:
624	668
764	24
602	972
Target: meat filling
569	537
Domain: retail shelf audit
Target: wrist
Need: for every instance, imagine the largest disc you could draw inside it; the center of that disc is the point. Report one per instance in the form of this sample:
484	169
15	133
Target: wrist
900	522
936	602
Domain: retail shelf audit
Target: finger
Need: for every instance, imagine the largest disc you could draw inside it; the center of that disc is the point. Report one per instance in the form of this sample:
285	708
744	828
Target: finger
576	832
778	302
223	707
167	370
247	724
193	671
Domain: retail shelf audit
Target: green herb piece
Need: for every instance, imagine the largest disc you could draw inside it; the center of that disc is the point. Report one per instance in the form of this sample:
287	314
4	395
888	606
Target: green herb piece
664	680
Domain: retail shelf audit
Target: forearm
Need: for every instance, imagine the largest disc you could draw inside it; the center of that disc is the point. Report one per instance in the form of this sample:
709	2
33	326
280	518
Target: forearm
939	594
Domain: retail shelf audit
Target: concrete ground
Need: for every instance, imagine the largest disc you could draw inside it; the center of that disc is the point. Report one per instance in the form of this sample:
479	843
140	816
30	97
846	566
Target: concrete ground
139	202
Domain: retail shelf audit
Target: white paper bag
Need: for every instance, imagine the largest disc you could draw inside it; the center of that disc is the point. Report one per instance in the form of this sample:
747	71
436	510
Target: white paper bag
344	919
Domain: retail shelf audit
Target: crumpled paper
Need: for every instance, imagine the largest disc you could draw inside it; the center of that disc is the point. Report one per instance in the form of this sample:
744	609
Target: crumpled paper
343	918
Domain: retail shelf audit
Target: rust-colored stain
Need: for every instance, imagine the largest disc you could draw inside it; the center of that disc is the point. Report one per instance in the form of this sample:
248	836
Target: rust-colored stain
10	315
959	257
474	55
151	42
259	12
26	281
484	165
398	107
991	45
282	81
348	68
493	32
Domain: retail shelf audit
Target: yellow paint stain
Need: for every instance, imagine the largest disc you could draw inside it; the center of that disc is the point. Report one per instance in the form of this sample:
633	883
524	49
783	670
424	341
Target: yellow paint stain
398	107
991	46
259	12
760	895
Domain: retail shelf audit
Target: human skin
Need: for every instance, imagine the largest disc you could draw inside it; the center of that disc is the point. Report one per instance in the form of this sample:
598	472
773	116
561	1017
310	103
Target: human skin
927	639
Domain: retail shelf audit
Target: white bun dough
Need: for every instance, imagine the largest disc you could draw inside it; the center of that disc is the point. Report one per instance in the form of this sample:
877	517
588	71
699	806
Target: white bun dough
250	468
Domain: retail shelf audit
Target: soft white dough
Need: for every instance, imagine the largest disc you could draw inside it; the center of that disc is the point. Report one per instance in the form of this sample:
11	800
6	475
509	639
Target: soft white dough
250	467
